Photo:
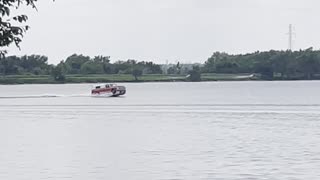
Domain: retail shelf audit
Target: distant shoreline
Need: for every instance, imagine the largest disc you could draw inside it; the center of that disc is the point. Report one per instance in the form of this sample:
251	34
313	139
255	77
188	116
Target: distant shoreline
127	78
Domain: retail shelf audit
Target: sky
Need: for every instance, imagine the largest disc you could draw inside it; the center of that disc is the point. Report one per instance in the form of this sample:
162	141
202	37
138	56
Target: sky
188	31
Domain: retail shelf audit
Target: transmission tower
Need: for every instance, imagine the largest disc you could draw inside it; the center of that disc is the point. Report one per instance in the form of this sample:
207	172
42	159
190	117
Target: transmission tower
290	37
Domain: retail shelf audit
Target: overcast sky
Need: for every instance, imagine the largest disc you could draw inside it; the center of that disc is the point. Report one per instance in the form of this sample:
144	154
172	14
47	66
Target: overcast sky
173	30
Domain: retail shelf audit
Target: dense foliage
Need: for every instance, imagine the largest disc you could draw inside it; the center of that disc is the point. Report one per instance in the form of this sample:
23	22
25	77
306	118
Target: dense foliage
195	74
80	64
12	28
34	64
74	64
302	64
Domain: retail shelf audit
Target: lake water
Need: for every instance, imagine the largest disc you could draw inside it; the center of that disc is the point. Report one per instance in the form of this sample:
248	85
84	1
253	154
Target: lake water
161	131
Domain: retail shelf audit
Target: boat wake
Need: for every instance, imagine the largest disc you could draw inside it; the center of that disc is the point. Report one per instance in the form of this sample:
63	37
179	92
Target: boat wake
43	96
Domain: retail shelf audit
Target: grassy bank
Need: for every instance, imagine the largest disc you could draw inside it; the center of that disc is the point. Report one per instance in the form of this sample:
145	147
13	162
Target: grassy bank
97	78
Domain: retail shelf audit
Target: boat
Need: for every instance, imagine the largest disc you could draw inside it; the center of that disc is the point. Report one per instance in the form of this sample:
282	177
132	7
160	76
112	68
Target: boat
108	89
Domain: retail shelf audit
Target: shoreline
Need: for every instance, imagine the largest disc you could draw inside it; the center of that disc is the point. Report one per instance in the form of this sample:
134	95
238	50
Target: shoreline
81	79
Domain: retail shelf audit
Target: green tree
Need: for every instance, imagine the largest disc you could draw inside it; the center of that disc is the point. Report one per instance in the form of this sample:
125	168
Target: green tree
211	64
35	64
12	27
195	74
58	72
136	72
309	63
101	59
122	67
10	65
91	67
172	70
75	61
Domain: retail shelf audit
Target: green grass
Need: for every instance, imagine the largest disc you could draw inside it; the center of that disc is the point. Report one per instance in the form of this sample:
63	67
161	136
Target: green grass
121	78
100	78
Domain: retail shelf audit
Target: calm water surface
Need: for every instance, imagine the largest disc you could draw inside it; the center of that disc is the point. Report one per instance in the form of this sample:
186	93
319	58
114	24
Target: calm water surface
161	131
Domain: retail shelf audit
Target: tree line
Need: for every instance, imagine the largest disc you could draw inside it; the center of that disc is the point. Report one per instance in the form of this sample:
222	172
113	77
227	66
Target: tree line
80	64
75	64
302	64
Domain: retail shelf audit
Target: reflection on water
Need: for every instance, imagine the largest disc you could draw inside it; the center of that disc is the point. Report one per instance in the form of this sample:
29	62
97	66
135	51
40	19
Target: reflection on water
246	130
